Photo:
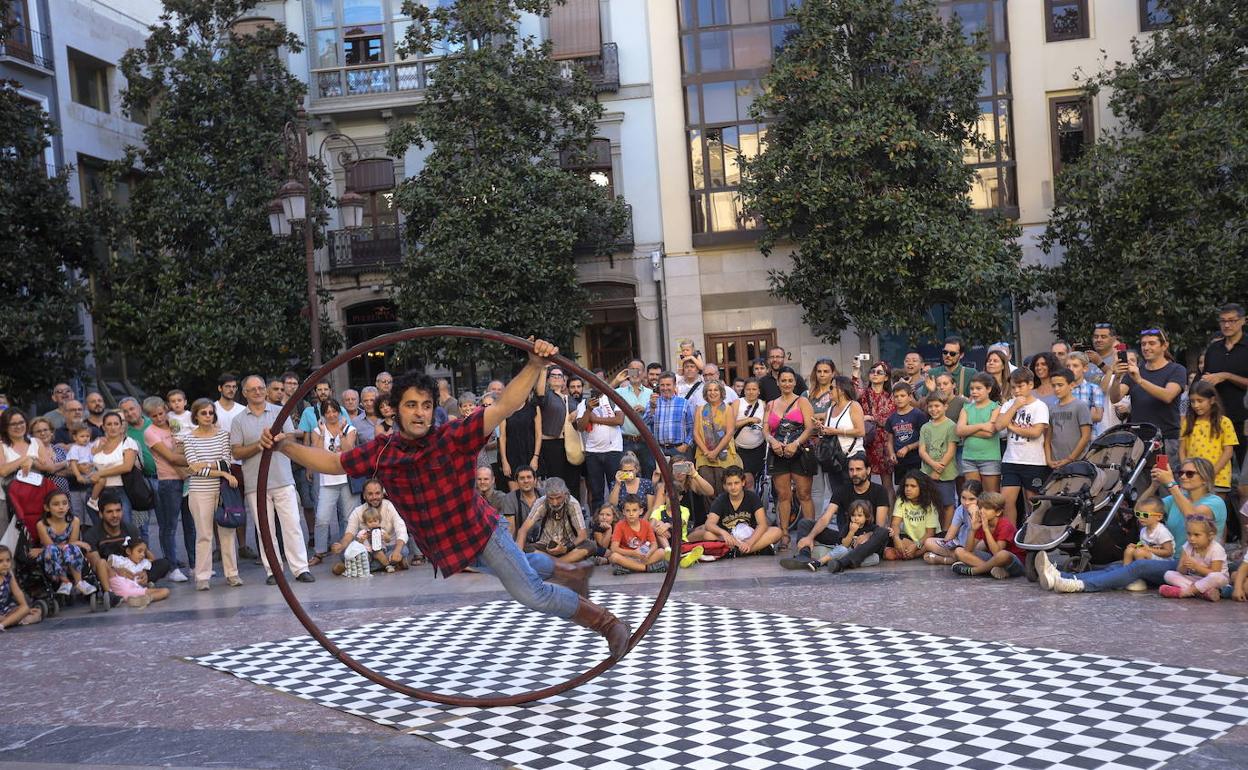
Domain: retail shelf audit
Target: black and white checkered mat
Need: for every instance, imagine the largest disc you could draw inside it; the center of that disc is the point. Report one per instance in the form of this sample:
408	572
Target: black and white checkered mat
714	687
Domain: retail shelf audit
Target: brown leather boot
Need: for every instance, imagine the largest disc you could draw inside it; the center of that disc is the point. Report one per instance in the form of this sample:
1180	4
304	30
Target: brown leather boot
601	621
574	576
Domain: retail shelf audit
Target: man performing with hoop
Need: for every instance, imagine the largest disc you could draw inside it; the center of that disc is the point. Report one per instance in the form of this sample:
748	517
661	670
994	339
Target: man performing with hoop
427	474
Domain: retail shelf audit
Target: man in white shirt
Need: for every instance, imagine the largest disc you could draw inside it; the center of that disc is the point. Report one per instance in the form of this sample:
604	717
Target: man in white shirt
697	395
601	432
226	407
391	523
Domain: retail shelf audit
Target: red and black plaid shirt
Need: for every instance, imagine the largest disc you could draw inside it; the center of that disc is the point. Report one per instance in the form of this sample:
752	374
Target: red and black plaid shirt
430	482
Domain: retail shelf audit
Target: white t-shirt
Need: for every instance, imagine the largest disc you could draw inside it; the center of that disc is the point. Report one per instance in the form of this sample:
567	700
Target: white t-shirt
184	423
332	443
751	436
116	457
226	416
602	438
1022	450
1159	536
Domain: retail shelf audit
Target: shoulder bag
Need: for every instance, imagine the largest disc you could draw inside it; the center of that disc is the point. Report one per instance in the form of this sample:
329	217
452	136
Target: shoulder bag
573	447
138	491
829	452
750	436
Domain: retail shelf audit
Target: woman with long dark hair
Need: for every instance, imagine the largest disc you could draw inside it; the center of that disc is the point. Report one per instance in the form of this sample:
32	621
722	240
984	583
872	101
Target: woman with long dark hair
845	424
789	422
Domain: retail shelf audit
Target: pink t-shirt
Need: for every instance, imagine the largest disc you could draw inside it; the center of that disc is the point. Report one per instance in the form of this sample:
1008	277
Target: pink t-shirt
153	436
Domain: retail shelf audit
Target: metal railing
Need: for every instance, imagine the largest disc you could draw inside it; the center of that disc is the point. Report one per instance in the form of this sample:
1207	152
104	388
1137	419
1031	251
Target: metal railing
26	45
366	249
603	70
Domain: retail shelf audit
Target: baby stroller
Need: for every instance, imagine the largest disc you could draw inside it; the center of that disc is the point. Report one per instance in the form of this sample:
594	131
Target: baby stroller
39	589
1087	508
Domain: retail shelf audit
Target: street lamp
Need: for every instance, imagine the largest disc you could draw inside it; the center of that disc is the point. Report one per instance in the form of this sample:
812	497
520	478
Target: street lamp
293	205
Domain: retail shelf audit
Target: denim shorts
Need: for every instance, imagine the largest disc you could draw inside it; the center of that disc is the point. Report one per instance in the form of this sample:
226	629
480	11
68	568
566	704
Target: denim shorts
1026	476
1015	567
948	492
982	467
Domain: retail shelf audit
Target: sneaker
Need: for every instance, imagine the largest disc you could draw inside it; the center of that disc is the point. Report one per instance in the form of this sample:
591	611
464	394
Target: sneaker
94	504
270	581
658	566
813	565
961	568
234	580
113	600
691	558
85	588
178	576
1046	573
305	577
246	553
1065	585
767	550
202	585
796	562
64	589
390	567
1171	592
139	602
706	557
835	566
621	571
1000	573
1138	585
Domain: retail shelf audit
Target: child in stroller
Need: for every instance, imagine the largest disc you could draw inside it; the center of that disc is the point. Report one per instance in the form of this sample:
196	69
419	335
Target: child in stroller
1086	508
42	587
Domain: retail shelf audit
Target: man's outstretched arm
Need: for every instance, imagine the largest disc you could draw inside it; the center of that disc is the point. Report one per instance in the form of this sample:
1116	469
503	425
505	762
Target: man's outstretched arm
310	457
517	391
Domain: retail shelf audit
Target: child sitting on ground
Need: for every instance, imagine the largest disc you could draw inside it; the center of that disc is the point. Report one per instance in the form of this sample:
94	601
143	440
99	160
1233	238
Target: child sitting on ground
915	519
634	547
601	534
1156	542
1240	591
373	537
990	547
14	610
1202	567
128	575
940	550
861	523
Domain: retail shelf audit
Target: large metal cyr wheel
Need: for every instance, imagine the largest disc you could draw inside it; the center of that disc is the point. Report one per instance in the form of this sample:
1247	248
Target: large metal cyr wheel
270	550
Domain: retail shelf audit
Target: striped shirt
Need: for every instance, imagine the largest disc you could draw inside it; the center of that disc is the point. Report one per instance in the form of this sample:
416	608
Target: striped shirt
210	449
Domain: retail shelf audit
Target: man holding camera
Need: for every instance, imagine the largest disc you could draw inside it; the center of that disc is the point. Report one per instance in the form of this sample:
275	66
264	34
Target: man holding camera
600	422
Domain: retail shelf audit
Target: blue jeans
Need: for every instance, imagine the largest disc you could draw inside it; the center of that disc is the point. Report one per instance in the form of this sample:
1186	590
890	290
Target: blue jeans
168	511
600	468
1118	576
523	575
335	501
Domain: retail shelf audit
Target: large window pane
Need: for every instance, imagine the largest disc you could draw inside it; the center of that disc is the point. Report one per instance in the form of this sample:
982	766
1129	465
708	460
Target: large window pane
716	51
747	92
712	12
695	159
714	157
723	210
749	11
327	49
1003	129
973	16
324	12
719	102
751	48
361	11
732	146
693	113
986	127
686	54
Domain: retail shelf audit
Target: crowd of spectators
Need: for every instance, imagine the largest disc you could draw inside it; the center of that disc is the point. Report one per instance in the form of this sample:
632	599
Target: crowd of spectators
831	471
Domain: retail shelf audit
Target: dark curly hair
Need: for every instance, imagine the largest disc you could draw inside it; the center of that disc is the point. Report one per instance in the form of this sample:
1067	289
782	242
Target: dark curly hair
412	378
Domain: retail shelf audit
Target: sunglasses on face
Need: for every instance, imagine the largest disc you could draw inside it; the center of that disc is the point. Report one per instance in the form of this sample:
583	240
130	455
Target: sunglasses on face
948	352
1145	514
1188	474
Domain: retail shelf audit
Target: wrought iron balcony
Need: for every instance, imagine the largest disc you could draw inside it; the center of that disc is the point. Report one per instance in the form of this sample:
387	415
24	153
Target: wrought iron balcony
24	44
603	70
366	249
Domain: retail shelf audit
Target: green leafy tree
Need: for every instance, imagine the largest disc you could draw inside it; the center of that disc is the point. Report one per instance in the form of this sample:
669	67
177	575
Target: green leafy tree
44	240
870	107
197	284
1153	218
491	217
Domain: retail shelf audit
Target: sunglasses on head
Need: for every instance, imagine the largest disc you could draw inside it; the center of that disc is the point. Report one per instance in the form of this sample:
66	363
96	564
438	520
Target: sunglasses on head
1103	326
1158	333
